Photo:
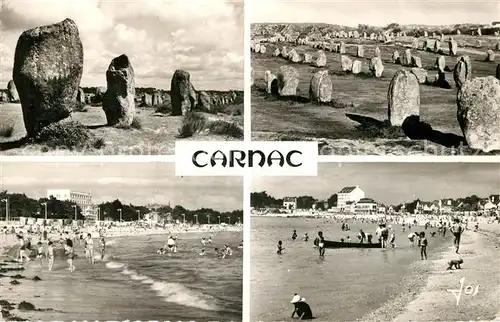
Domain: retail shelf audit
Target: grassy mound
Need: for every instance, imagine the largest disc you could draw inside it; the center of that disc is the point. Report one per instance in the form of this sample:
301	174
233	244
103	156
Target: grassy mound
71	135
194	123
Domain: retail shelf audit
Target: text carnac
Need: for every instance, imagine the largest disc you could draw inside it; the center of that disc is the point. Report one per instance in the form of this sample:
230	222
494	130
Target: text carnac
247	159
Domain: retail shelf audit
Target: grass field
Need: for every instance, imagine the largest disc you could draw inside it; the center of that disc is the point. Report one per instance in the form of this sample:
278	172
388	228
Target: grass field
343	127
156	137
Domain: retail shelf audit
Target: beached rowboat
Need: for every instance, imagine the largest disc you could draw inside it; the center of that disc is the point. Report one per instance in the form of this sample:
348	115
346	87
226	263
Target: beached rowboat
335	244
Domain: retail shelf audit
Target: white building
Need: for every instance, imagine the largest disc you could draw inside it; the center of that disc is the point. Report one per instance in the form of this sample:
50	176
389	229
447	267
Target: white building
348	196
366	206
82	199
290	203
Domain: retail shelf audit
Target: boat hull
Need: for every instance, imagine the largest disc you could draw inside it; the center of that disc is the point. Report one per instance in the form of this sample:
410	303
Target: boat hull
335	244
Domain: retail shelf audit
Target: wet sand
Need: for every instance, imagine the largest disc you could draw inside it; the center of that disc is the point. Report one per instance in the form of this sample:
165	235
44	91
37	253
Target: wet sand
427	298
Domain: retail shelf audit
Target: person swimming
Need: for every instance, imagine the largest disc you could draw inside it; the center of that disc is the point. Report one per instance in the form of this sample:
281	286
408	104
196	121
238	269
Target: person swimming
202	253
280	247
171	245
203	241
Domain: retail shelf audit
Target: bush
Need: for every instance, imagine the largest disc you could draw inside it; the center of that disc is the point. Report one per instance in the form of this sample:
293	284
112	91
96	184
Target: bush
6	130
67	134
136	124
80	107
195	123
165	108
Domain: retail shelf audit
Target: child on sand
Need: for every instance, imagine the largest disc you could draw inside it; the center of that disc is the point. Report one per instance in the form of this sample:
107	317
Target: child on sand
39	254
423	246
50	255
280	247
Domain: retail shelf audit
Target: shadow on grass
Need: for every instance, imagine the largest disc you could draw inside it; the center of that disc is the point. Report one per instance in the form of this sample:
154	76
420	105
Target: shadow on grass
95	127
13	144
412	128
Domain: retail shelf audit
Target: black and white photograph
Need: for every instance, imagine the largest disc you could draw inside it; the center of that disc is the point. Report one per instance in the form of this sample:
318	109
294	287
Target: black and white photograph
377	242
105	77
377	77
117	242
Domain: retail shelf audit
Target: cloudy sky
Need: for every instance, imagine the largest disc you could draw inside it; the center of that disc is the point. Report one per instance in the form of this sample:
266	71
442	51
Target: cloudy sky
375	12
204	37
390	183
136	183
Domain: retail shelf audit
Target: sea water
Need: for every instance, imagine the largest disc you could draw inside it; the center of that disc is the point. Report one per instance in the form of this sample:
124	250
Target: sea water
346	285
135	283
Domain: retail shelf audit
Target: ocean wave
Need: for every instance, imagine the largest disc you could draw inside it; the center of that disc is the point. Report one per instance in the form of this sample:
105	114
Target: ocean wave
171	292
114	265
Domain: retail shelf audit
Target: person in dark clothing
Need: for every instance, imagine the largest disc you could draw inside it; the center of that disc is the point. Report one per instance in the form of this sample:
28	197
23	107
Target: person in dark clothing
321	244
457	231
294	235
280	247
301	308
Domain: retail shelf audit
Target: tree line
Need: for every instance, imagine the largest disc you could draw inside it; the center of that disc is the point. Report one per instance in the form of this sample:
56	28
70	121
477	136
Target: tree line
21	205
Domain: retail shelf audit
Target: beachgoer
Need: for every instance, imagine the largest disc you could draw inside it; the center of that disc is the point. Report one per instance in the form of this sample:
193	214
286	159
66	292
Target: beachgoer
90	248
321	244
103	246
361	236
411	238
203	241
348	239
69	250
423	246
39	254
384	235
22	250
50	255
210	239
369	238
202	253
227	251
171	244
392	237
457	231
306	237
280	247
294	235
301	308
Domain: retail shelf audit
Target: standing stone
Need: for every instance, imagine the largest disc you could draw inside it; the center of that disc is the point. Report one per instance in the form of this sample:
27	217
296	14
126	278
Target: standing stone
269	78
12	92
498	71
478	113
342	48
80	96
307	58
440	64
437	46
414	43
48	66
356	67
182	92
284	52
426	34
288	80
453	46
458	32
462	71
257	48
490	55
294	56
407	58
147	100
157	99
204	101
416	61
376	67
360	52
403	97
276	52
119	101
395	57
321	60
346	63
4	97
420	73
479	32
321	87
377	52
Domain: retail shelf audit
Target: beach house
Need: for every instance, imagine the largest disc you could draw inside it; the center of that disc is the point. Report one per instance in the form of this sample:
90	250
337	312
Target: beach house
290	203
366	206
349	196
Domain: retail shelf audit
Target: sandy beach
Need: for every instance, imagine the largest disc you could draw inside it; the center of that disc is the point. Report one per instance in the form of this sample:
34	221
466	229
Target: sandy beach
427	298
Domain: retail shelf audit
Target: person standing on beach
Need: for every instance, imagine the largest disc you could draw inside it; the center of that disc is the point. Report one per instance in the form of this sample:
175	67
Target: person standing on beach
392	238
294	235
50	255
90	248
71	254
39	254
321	244
280	247
103	246
423	246
457	230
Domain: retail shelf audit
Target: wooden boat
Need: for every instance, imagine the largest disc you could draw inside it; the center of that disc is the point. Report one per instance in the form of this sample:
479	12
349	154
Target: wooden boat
336	244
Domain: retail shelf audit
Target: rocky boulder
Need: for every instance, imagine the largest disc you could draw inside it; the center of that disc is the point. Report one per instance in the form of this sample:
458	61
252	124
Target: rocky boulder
453	47
119	101
462	71
490	55
80	96
288	80
321	59
395	57
420	73
321	87
182	92
360	51
356	67
376	67
478	113
48	66
440	64
346	63
204	101
403	97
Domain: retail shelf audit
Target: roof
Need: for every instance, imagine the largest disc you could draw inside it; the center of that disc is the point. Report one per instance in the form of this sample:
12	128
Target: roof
289	199
347	189
366	200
